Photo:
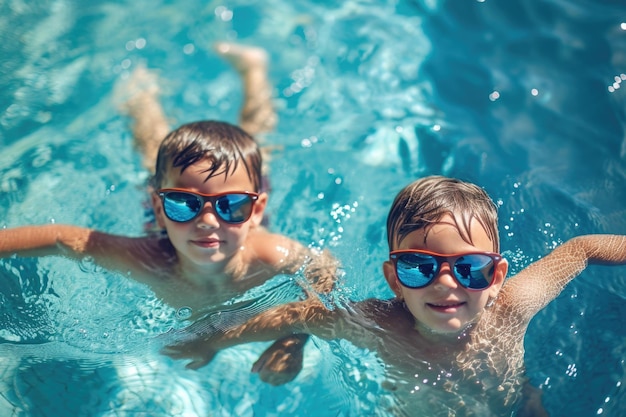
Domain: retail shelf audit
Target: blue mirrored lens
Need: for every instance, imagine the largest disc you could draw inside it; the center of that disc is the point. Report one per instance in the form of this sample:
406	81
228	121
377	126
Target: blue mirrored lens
416	270
474	271
182	207
234	208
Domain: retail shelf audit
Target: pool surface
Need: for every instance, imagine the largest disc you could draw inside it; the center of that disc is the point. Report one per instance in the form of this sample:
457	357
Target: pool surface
524	97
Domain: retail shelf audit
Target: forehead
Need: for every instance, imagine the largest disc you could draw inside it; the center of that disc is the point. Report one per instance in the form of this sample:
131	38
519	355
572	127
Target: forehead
196	177
445	237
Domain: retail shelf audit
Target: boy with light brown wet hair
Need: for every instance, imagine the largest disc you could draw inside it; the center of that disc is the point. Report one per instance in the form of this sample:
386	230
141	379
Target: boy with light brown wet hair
453	336
209	200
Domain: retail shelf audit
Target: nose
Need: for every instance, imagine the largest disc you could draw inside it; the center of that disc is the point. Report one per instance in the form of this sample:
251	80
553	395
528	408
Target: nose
444	279
207	218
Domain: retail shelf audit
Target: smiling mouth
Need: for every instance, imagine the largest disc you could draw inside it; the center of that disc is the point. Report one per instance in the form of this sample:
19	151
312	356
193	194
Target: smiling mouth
207	243
446	307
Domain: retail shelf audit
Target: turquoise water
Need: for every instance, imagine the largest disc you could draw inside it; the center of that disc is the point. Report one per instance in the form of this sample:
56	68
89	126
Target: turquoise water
522	97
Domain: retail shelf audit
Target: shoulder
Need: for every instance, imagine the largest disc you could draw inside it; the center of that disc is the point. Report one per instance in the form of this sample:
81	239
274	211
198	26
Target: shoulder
275	249
261	236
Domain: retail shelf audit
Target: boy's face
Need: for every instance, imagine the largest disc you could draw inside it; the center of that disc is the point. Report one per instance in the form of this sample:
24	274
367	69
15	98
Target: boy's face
444	306
207	240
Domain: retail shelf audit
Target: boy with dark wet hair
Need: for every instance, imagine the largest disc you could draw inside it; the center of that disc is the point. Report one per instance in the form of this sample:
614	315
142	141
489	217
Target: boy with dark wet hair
453	336
208	199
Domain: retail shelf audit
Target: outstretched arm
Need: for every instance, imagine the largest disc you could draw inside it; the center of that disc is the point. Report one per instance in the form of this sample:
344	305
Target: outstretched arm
116	253
304	317
34	241
541	282
368	324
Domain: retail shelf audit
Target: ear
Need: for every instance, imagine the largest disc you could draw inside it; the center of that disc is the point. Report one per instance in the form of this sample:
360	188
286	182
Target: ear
390	275
157	206
258	210
498	278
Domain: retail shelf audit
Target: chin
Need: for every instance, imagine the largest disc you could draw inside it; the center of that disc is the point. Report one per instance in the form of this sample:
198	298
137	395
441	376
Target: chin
451	329
208	260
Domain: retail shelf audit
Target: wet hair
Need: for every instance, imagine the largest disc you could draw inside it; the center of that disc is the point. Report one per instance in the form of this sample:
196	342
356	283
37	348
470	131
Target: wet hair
224	145
424	202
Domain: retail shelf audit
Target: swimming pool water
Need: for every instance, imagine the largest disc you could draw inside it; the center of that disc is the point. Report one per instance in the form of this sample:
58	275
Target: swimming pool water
522	97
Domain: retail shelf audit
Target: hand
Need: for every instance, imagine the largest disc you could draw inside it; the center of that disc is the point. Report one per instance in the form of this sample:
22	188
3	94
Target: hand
282	361
198	350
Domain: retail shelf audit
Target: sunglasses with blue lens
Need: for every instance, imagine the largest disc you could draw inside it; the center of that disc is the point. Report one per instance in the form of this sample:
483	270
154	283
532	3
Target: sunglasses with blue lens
181	205
419	268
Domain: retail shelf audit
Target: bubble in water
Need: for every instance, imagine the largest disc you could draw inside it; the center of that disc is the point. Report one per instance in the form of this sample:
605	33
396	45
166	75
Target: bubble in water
183	313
